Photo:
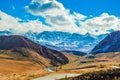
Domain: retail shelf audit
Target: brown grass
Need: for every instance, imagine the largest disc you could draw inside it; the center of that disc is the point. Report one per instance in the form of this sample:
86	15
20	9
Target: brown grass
19	70
72	57
104	59
26	70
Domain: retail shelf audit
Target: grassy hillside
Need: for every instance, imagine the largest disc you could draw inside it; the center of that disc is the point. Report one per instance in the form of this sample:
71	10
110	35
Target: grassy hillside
15	66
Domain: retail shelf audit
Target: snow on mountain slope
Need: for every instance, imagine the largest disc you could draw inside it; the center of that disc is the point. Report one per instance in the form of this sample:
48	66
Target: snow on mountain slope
63	40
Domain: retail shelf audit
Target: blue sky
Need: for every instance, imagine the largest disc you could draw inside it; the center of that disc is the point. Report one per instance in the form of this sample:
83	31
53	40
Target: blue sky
80	16
86	7
93	7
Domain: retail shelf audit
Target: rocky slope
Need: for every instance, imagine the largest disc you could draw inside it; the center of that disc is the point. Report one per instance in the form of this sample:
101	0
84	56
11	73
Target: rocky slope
111	43
26	48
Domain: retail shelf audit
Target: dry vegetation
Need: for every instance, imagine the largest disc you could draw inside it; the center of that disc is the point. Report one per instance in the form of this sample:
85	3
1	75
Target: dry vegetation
99	62
14	69
71	57
17	68
103	66
98	75
23	69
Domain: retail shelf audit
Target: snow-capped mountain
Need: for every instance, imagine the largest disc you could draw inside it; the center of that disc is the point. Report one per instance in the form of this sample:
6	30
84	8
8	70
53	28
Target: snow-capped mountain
65	41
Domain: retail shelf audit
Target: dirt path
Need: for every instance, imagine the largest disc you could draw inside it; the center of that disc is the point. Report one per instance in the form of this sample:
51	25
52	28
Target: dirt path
56	76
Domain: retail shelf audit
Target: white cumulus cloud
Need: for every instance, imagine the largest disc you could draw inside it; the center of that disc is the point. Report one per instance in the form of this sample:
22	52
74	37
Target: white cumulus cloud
56	15
101	24
9	23
61	19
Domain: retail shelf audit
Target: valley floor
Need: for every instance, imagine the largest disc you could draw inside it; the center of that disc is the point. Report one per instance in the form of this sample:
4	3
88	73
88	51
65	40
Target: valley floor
11	69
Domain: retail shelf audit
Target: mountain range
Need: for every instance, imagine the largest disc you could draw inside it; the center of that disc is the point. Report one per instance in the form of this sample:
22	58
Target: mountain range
62	40
72	43
66	41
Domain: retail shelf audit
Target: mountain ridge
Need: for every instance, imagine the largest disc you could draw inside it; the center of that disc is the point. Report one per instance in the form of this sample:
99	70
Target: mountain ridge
110	43
31	49
66	41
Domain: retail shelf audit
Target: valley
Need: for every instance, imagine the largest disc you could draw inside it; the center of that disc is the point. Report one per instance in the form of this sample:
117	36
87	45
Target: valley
23	69
83	65
23	59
